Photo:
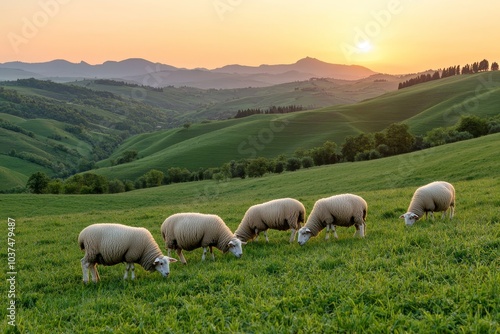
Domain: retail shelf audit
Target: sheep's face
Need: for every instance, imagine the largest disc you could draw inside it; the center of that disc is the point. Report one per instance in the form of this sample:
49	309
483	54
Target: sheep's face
410	218
304	235
235	247
162	264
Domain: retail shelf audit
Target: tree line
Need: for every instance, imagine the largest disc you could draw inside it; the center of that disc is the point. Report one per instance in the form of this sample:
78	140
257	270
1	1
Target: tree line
475	67
395	139
271	110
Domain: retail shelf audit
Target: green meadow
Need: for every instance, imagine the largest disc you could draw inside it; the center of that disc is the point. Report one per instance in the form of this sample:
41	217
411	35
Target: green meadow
209	143
440	276
423	107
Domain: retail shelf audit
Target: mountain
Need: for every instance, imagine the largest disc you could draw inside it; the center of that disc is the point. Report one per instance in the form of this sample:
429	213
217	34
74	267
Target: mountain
144	72
310	67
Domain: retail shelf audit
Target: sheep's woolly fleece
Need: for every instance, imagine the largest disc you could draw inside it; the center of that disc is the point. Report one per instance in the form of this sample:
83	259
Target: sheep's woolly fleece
191	230
279	214
433	197
110	244
339	210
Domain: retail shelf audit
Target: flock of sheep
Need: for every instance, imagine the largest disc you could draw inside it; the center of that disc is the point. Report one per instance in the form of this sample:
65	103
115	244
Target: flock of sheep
110	244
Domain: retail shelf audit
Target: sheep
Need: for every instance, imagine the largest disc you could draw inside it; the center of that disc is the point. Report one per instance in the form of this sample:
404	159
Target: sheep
110	244
190	230
339	210
279	214
435	196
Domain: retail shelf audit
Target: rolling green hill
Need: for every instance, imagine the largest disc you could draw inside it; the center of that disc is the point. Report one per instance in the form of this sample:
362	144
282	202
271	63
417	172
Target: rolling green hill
423	107
86	125
415	280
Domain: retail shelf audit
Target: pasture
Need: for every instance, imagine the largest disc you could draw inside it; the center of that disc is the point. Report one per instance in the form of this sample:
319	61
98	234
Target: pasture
437	276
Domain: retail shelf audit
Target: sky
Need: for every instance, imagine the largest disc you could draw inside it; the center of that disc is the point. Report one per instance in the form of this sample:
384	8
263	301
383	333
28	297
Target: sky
388	36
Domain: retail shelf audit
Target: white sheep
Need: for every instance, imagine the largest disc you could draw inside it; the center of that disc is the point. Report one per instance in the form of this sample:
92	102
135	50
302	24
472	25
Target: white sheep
188	231
433	197
280	214
110	244
339	210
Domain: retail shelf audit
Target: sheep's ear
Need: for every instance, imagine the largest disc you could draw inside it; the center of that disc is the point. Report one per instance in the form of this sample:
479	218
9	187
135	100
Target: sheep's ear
413	215
231	244
171	259
307	230
402	216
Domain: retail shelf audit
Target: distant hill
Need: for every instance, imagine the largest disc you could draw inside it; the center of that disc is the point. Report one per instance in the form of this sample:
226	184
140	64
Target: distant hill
63	128
423	107
144	72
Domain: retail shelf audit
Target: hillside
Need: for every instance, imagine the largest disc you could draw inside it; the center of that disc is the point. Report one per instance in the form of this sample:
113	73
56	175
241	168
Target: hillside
423	107
415	280
86	125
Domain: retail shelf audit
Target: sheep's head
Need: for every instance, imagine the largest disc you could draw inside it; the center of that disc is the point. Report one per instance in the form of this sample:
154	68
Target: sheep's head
235	247
162	264
410	218
304	235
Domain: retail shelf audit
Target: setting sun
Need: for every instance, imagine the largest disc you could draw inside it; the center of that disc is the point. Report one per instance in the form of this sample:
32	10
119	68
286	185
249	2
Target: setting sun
364	47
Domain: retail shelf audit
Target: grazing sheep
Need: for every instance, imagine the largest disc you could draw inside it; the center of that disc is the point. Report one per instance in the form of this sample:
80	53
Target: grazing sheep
279	214
110	244
339	210
436	196
188	231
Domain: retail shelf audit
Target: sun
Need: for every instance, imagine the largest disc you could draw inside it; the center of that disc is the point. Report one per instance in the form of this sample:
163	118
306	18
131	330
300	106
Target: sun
364	47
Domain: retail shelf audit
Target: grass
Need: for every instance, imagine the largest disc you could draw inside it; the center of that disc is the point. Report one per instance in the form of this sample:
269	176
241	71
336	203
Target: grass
437	276
423	107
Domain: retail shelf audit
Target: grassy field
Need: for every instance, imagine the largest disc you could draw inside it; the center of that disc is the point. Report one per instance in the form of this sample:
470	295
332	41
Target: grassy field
437	276
423	107
211	144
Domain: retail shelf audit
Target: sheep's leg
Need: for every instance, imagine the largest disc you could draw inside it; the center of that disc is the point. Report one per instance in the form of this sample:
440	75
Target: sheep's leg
212	252
204	253
334	229
292	236
257	234
129	267
181	256
431	213
94	273
452	211
265	233
360	230
85	270
327	236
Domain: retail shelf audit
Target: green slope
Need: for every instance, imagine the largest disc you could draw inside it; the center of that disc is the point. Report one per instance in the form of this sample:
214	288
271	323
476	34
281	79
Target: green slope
423	107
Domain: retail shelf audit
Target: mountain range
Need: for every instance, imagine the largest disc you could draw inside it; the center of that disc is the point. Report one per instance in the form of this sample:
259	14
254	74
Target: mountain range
147	73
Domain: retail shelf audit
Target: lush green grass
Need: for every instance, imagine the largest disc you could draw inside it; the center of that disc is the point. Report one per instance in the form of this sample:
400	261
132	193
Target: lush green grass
438	276
423	107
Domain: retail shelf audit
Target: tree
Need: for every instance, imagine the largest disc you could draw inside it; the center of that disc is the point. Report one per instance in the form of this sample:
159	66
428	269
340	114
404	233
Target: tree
494	66
116	186
398	138
257	167
154	178
38	182
293	164
307	162
474	125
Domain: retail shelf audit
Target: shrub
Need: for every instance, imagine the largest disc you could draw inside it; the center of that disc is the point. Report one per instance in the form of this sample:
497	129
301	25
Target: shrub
307	162
292	164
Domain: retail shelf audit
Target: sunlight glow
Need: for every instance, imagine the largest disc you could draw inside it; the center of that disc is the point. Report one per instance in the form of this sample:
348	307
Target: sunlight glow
364	47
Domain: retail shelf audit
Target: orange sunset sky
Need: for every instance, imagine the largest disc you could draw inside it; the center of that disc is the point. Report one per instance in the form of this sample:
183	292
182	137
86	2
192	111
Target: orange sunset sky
391	36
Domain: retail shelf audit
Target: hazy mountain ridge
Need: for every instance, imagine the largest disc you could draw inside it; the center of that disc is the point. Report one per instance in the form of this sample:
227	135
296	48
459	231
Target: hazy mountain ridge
148	73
